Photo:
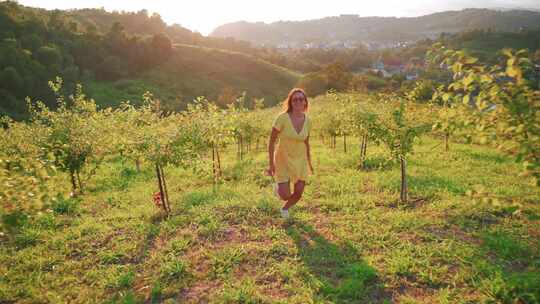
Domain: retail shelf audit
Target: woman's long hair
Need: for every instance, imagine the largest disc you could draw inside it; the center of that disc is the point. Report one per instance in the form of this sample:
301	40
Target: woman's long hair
287	103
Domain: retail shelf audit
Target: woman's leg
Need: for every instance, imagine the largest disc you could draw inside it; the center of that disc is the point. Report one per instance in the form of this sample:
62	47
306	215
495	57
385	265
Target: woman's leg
297	194
284	190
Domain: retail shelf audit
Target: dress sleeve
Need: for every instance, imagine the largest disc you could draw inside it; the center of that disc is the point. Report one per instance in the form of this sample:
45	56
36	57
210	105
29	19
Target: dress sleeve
278	122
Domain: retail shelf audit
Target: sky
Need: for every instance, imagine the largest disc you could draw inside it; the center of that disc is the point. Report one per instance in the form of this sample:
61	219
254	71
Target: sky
204	16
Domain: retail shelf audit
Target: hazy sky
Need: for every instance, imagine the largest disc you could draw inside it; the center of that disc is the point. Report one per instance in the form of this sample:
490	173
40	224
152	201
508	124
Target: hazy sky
205	15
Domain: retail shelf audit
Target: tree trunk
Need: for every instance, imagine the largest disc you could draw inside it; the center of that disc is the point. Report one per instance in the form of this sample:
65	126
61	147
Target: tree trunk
218	161
214	174
239	152
238	148
138	164
404	189
166	191
161	189
79	180
344	143
446	139
365	146
364	150
362	156
73	182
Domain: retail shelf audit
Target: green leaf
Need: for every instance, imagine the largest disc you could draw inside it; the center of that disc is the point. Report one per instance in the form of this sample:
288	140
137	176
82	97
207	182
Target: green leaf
468	80
507	52
466	99
446	97
513	72
470	60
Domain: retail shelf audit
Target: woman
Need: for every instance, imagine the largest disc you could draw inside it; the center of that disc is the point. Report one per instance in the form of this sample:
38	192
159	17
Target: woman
292	158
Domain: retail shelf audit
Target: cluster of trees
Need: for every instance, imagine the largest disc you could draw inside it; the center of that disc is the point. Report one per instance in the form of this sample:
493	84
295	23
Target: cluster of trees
77	137
486	44
382	119
85	45
486	104
37	45
496	104
335	76
314	59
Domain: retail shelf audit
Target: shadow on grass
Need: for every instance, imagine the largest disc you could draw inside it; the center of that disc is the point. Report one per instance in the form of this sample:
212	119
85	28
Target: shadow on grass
506	262
426	186
488	157
431	185
344	276
377	164
121	180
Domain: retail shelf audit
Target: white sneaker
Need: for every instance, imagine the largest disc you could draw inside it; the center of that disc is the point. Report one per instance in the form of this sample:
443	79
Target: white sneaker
284	213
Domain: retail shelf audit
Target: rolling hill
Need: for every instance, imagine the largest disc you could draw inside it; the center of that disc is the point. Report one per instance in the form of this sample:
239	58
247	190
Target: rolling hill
354	29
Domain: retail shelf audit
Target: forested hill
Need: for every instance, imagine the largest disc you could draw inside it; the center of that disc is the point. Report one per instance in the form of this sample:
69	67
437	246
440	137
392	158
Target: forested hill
119	55
352	28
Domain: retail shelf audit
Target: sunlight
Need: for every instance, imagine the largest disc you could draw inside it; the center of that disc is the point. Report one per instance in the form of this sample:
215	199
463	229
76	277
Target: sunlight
205	15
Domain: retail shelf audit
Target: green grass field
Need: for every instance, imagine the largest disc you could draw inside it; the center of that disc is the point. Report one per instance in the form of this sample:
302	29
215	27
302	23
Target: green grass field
349	239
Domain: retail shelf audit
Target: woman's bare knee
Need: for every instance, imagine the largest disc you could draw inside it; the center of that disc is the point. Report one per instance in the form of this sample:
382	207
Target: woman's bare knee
285	197
298	190
284	191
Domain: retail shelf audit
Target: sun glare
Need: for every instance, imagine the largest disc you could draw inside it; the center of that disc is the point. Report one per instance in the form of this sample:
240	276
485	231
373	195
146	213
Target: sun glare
205	15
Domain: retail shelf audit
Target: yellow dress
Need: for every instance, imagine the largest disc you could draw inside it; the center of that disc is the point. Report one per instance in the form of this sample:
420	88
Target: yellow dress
290	158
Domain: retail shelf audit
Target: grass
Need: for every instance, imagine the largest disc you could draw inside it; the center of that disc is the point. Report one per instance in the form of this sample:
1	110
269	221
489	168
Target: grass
349	239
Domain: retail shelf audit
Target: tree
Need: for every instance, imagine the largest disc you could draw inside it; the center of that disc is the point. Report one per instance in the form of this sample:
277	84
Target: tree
115	38
49	55
168	139
77	134
315	83
422	91
162	46
227	96
398	133
505	109
10	79
31	42
24	172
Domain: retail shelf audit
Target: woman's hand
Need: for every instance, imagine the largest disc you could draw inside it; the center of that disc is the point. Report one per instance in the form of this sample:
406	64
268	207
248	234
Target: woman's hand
271	170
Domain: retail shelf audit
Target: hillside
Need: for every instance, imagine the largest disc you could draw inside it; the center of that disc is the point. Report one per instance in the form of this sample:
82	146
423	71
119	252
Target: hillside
194	71
118	56
486	44
353	29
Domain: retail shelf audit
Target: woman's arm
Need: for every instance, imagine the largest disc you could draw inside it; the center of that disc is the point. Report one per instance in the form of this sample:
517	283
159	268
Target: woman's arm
308	152
271	144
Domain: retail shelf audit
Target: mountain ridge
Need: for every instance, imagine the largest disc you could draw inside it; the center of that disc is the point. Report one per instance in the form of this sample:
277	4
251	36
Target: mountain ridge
356	29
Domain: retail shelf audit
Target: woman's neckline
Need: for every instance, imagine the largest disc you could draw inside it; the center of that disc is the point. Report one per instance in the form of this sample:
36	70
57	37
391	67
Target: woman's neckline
290	115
